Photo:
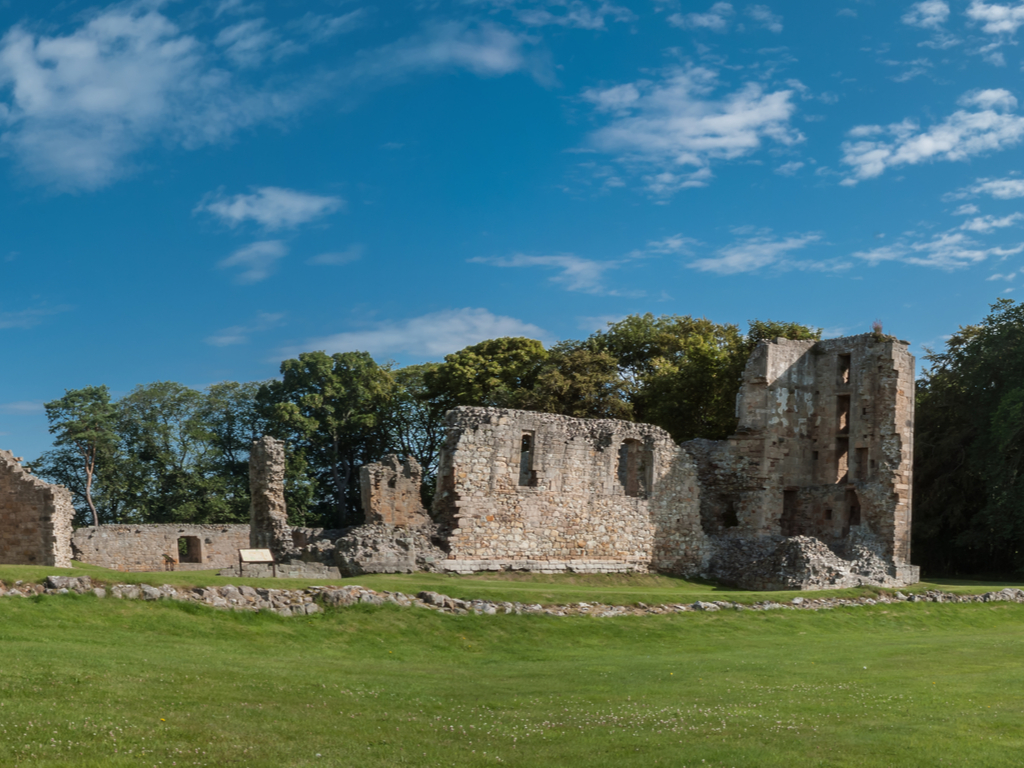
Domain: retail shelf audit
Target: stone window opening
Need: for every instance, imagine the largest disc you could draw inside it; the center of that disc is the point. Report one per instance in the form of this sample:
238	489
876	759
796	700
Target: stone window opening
729	517
843	369
790	512
862	464
190	549
527	449
843	414
634	468
299	539
852	511
842	459
828	514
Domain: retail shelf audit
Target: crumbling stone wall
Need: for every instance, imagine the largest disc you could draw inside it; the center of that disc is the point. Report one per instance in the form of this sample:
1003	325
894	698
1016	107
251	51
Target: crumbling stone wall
542	492
268	513
824	449
156	547
35	517
391	492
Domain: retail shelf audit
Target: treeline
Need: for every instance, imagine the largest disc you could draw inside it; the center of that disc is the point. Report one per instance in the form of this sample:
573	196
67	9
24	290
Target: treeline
167	453
969	450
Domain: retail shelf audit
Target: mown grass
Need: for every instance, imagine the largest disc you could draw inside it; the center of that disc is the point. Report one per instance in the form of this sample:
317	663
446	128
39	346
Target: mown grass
90	682
617	589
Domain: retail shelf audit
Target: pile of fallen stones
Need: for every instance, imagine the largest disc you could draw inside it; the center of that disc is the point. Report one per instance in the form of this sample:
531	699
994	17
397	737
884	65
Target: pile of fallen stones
303	602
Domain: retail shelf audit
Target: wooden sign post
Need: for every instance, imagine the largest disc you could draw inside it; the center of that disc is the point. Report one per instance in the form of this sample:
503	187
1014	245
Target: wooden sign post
256	556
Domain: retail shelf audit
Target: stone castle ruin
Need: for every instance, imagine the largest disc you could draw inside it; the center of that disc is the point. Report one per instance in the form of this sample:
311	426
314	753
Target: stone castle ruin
813	491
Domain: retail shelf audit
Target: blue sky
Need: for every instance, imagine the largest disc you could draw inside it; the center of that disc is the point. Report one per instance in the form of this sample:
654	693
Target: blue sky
195	191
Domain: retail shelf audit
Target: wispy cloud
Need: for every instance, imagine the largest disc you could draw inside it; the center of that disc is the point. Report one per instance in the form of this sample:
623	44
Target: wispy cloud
29	318
790	168
930	14
487	50
336	258
988	223
240	334
1000	189
672	129
716	19
574	273
81	105
947	251
575	14
763	15
256	260
432	335
760	252
872	148
270	207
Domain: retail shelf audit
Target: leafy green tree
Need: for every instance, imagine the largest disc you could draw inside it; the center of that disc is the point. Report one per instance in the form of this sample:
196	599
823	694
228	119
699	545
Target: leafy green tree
494	373
577	380
969	449
332	407
83	421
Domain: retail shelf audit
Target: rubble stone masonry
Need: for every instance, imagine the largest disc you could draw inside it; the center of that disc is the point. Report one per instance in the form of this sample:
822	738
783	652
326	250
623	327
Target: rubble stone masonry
160	547
534	491
391	492
35	518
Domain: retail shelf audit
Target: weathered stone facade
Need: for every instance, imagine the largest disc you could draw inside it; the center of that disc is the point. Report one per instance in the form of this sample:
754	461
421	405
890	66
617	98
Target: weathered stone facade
535	491
391	492
160	547
268	513
35	517
824	449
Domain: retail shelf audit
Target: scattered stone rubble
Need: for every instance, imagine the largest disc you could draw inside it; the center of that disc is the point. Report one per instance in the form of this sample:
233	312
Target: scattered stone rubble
305	602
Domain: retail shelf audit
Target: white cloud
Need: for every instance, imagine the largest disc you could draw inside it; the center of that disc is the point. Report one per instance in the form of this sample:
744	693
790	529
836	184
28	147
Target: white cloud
755	253
989	98
958	137
239	334
674	124
848	12
270	207
22	406
790	168
433	335
1002	277
80	105
576	14
574	272
716	19
968	209
997	19
336	258
1000	189
671	244
948	251
764	16
256	260
930	14
487	50
988	223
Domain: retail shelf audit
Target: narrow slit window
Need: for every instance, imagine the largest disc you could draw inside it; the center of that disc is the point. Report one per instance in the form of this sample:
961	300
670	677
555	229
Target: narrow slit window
842	459
862	464
843	369
527	449
635	465
843	414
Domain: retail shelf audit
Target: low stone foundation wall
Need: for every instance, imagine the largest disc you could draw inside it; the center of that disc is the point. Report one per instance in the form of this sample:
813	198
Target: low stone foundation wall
157	548
542	566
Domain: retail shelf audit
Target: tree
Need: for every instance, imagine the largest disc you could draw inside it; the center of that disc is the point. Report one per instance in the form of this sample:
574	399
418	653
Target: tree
577	380
683	373
83	420
969	449
494	373
332	407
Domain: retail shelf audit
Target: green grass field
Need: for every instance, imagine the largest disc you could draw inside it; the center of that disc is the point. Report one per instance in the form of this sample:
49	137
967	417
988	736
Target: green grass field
125	683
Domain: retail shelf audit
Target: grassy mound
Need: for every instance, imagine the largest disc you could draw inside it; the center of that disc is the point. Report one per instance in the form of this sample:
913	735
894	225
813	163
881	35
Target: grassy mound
124	683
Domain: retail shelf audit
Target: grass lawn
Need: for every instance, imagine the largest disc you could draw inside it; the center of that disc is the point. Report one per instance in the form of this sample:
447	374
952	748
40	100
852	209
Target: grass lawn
125	683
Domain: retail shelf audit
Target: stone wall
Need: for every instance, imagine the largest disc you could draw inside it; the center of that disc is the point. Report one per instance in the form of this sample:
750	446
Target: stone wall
391	492
268	513
156	547
824	449
535	491
35	518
